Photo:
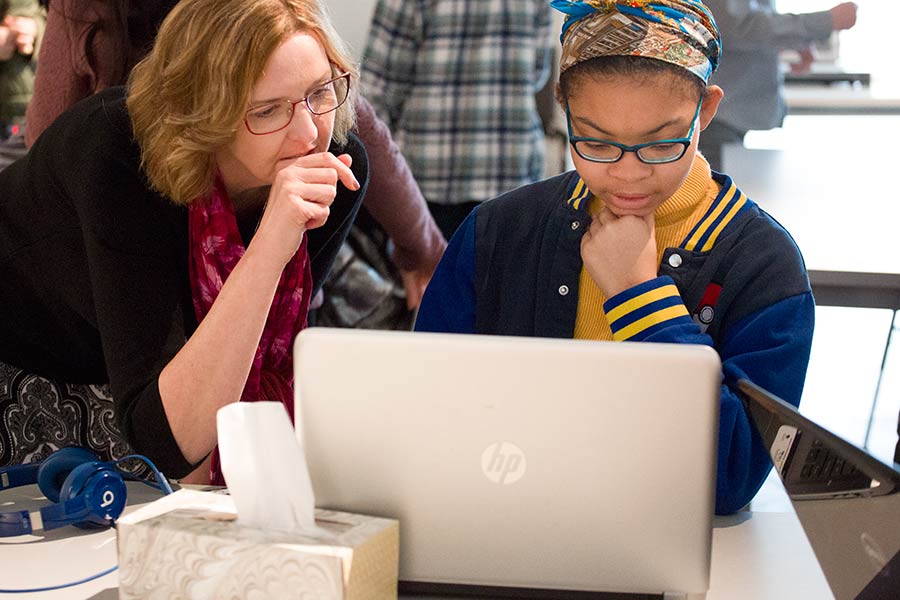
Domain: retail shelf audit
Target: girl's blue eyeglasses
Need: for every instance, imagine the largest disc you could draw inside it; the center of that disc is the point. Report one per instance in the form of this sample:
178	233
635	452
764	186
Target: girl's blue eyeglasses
652	153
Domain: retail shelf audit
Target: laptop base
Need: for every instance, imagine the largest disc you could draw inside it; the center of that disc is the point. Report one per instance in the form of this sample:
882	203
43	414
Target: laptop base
481	592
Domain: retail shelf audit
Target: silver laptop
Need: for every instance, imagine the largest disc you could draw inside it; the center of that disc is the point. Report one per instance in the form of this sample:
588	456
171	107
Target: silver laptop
517	462
847	501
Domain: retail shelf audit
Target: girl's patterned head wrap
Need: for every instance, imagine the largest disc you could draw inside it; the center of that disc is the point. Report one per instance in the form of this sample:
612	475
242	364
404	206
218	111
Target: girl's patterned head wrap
681	32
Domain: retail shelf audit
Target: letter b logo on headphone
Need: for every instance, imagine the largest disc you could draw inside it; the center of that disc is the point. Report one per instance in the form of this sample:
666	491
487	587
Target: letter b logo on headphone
108	498
86	493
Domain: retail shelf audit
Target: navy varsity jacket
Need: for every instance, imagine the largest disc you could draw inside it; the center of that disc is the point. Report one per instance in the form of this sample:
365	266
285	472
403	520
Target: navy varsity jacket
736	283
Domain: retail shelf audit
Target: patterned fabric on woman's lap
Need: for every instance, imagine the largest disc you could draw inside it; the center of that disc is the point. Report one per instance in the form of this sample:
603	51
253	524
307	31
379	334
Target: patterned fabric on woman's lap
39	416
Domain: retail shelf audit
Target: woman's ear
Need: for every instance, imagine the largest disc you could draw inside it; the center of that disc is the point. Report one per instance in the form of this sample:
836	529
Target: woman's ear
711	100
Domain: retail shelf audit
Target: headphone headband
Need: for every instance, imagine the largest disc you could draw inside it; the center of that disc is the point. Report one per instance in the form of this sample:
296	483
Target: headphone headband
90	493
11	477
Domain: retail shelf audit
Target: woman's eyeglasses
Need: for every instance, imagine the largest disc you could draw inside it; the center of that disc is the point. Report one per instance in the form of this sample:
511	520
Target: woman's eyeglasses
275	116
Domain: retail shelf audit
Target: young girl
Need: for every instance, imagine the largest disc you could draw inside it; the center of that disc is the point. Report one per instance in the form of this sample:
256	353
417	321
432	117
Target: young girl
642	242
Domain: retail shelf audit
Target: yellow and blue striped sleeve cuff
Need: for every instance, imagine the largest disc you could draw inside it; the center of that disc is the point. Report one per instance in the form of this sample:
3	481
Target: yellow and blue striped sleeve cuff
644	309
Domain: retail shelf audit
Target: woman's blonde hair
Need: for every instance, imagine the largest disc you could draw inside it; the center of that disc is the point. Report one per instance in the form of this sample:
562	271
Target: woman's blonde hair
186	96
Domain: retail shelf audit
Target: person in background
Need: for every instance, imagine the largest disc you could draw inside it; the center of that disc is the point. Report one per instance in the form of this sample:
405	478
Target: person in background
90	45
21	30
395	202
168	240
642	242
93	44
754	35
455	81
897	447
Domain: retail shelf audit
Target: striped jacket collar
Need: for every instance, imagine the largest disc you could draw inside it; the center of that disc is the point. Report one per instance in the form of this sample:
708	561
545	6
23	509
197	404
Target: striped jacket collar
728	204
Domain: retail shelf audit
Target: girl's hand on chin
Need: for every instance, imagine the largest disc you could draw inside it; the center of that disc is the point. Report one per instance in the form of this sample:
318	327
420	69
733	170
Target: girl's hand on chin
620	252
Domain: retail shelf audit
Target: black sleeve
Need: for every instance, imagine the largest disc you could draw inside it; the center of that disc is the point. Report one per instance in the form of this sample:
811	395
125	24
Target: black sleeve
136	254
133	255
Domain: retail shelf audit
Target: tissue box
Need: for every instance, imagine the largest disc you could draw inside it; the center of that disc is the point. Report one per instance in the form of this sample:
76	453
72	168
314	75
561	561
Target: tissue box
204	552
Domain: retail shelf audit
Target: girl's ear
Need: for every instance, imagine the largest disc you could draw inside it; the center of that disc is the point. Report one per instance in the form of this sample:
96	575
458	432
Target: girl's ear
560	94
711	100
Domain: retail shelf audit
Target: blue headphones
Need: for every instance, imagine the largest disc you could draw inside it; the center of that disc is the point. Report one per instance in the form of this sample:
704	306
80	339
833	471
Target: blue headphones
86	493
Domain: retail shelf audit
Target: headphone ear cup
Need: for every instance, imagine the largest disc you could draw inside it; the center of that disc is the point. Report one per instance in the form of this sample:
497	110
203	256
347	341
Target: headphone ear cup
56	468
103	490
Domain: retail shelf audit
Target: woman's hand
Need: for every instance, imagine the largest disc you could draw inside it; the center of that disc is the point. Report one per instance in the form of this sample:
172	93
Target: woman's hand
7	42
415	282
299	200
200	475
26	31
843	16
620	252
807	58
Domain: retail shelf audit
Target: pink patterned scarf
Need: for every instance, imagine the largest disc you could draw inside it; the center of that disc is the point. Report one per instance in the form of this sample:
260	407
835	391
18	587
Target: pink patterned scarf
215	248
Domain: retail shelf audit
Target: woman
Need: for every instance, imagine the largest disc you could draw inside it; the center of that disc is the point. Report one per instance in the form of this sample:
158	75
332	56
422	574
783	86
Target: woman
167	240
92	45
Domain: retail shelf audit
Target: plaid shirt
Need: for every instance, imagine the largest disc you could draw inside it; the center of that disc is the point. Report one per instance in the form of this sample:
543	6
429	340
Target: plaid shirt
455	80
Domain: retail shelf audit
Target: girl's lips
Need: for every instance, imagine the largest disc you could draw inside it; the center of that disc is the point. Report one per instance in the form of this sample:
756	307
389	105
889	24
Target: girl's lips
631	205
628	199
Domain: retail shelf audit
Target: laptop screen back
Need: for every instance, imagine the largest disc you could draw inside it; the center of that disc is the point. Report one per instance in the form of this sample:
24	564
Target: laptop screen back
847	501
517	462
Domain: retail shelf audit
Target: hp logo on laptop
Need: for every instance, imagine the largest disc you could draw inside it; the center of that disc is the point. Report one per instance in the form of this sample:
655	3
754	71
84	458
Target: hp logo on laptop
503	463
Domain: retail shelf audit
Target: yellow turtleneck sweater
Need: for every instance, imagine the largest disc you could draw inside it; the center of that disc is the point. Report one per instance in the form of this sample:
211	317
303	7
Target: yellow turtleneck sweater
675	218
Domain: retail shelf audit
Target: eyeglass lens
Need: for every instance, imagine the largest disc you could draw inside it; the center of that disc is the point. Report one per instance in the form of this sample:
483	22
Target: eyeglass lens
272	117
608	153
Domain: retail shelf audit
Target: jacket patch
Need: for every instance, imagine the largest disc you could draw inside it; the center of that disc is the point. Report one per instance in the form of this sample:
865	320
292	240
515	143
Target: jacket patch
706	310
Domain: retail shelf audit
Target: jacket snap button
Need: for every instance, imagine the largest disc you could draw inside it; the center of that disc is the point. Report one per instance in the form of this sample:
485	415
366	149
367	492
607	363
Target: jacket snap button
675	261
576	225
563	290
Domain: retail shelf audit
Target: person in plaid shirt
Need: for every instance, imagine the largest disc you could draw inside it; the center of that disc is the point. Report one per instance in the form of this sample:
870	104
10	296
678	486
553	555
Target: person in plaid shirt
455	80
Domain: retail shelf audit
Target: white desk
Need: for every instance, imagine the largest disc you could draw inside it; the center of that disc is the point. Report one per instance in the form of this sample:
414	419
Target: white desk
830	185
61	555
755	556
835	204
842	99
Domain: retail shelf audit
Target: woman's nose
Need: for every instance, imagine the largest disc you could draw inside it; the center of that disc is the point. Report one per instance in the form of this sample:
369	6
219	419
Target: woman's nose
303	125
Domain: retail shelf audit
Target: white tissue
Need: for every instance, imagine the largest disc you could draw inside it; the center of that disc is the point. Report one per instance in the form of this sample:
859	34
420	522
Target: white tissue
265	468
